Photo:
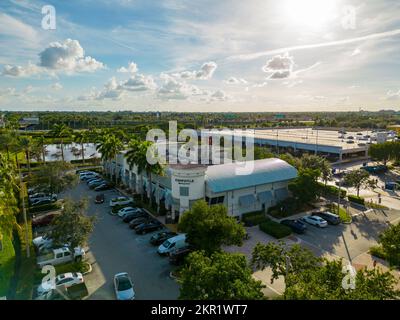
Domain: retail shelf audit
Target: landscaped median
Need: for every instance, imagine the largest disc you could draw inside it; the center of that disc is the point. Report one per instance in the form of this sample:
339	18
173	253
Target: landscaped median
343	215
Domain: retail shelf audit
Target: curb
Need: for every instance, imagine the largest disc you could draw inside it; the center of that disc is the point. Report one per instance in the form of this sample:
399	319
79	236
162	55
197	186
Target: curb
90	269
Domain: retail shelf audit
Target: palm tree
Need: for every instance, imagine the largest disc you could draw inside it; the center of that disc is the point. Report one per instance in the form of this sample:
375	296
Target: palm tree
81	137
26	144
41	145
137	155
109	148
60	131
7	141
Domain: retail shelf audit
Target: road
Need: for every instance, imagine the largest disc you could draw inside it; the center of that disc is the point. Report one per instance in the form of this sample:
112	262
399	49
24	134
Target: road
115	248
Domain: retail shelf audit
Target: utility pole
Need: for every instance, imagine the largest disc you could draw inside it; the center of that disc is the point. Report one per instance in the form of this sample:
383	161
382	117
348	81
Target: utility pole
24	212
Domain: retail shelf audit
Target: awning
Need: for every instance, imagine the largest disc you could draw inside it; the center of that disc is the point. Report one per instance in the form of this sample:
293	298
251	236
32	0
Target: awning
281	194
265	197
247	200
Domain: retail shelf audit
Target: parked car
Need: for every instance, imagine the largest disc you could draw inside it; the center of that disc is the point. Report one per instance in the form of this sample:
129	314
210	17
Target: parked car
88	175
134	215
74	292
42	201
137	221
64	280
160	237
42	195
123	287
94	180
315	221
38	241
103	187
122	213
99	198
171	244
95	184
43	220
329	217
296	225
147	227
177	256
120	201
60	256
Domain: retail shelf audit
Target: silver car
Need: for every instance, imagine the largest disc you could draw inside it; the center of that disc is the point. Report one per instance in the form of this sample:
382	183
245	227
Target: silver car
123	287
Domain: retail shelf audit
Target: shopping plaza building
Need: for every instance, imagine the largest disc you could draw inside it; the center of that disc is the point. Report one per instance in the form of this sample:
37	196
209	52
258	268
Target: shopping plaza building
183	184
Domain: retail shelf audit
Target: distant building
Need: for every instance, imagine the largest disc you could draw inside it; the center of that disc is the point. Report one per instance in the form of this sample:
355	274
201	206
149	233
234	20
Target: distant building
28	123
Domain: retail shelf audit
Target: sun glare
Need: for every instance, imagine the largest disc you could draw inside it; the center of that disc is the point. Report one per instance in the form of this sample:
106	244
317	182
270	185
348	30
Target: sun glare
310	13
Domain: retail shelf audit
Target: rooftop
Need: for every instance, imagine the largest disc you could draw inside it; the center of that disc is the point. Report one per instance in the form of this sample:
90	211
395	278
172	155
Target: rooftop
224	177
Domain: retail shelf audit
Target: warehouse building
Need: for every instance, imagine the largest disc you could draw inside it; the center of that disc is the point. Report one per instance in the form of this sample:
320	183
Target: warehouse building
182	185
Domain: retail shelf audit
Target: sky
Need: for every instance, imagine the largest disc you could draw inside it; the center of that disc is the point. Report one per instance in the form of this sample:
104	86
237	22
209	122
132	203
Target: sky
200	55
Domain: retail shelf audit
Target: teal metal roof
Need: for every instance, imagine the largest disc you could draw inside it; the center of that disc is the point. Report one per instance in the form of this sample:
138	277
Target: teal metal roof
224	177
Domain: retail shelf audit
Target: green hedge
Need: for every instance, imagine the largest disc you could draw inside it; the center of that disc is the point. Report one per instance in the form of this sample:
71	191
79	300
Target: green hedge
356	199
45	207
378	252
332	190
7	263
275	229
253	218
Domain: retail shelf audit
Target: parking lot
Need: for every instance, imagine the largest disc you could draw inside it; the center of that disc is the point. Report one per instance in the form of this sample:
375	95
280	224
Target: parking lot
349	240
115	248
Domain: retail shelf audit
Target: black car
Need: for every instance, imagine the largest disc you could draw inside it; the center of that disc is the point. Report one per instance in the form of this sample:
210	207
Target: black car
137	221
134	215
296	225
160	237
99	198
331	218
177	256
146	227
102	187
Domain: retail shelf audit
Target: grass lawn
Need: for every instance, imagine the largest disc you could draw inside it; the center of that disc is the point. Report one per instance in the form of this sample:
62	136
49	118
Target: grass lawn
342	213
7	263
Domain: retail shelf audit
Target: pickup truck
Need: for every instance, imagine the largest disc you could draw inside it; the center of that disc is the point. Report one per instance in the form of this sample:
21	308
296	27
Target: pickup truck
60	256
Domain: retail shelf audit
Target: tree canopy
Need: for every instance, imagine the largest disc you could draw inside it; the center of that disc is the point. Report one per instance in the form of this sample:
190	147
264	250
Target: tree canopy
210	227
220	276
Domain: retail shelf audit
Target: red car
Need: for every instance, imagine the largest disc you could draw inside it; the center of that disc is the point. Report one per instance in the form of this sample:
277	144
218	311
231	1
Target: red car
44	220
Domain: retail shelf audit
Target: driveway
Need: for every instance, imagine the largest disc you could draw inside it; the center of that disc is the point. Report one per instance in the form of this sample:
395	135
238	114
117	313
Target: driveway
115	248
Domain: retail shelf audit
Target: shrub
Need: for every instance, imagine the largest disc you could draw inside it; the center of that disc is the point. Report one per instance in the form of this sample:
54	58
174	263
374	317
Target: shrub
356	199
253	218
332	190
275	229
378	252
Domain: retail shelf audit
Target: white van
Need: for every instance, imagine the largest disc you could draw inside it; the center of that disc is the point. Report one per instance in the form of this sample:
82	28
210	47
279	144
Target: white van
171	244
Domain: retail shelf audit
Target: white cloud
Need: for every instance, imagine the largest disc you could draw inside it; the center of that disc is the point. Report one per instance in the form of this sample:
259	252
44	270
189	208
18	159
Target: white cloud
219	95
139	82
68	56
205	72
279	67
392	95
19	71
234	80
173	89
356	52
132	68
56	86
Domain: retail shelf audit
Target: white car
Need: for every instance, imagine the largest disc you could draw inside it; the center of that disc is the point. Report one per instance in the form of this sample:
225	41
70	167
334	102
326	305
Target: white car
42	240
315	221
125	211
123	287
120	201
65	280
